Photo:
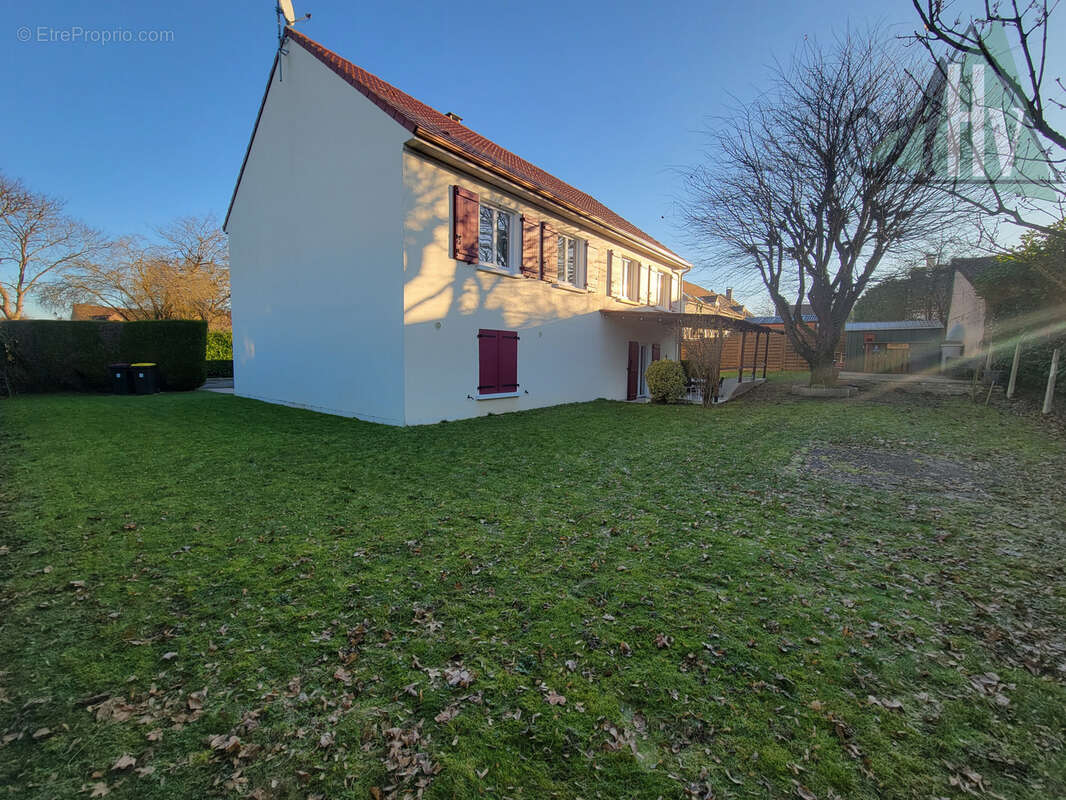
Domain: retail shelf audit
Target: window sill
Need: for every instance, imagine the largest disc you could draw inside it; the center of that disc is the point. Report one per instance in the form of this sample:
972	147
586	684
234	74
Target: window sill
566	287
627	301
503	273
499	396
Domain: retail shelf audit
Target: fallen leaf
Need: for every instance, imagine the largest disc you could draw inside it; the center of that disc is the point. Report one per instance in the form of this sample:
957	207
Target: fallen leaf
99	790
170	656
124	762
325	740
342	675
554	698
42	733
144	772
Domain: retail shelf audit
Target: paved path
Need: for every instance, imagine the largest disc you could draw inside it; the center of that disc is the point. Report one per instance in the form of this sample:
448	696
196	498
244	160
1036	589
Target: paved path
218	385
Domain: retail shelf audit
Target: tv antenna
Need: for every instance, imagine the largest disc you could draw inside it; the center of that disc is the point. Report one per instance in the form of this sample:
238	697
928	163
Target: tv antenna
285	11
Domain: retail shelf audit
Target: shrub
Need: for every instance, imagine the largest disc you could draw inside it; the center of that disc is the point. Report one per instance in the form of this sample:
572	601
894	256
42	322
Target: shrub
666	381
219	346
62	355
219	368
177	346
1035	363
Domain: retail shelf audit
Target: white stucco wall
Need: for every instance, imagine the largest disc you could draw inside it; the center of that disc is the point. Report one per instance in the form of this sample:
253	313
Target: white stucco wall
966	317
567	352
316	250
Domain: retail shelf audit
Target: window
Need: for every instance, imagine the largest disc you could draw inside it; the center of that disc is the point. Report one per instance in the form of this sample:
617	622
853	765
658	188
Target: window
656	288
630	279
571	270
497	373
494	237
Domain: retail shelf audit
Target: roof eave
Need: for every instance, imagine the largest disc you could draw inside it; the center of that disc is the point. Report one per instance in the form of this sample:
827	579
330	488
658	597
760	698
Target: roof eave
439	143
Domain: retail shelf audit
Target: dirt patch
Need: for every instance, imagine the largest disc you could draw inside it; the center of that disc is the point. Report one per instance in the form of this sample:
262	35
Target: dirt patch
897	470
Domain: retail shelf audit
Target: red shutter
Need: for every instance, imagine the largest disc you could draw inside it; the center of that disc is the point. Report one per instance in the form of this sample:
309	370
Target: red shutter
497	362
464	225
488	373
549	254
530	248
656	353
508	363
610	273
632	371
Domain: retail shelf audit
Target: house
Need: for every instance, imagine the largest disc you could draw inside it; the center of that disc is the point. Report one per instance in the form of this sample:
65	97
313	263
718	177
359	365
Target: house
696	299
900	346
965	335
91	311
704	301
389	263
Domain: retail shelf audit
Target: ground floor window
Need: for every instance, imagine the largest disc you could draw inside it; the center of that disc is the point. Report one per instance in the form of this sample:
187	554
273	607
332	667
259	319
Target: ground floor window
497	372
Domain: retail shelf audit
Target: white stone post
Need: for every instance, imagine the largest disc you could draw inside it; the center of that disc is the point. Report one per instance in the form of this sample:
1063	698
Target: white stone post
1049	395
1014	369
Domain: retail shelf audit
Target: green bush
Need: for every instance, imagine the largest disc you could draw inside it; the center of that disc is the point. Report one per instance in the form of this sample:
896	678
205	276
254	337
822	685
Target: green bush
666	381
177	346
219	346
219	368
61	355
1035	363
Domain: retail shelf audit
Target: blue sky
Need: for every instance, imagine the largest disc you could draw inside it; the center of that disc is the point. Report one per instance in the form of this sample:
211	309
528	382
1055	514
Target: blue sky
609	96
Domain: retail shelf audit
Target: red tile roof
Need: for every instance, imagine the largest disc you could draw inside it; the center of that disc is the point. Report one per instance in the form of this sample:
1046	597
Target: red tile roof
430	124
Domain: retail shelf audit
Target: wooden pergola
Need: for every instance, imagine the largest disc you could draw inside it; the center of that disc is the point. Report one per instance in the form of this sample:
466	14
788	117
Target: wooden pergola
715	322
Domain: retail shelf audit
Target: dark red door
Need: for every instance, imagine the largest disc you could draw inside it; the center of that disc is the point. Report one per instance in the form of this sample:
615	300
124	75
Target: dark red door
633	371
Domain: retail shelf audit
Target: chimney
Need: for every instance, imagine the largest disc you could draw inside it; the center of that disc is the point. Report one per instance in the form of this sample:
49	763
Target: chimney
453	116
729	294
930	260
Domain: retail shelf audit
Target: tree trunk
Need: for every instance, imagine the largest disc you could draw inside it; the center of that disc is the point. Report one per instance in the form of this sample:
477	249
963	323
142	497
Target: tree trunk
824	370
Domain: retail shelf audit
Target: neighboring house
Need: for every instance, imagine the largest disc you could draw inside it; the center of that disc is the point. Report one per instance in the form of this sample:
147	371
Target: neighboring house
900	346
699	300
965	336
90	311
389	263
696	299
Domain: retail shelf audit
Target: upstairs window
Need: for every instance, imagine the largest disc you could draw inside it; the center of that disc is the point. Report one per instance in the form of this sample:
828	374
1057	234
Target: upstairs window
630	279
495	242
570	253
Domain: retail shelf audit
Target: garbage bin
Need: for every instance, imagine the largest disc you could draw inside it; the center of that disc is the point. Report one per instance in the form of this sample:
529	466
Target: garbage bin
145	377
121	378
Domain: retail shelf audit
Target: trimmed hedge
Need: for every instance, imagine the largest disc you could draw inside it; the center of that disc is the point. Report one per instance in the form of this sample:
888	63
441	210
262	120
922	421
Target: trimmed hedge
219	368
61	355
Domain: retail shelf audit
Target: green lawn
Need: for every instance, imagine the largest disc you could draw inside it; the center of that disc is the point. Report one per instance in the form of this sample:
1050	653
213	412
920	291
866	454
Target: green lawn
775	598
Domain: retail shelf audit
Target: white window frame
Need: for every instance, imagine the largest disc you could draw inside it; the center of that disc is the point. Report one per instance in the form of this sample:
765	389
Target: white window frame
513	251
580	275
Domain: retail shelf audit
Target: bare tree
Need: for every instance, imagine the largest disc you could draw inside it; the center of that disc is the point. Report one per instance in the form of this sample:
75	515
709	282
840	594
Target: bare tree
185	275
809	186
1025	28
39	244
